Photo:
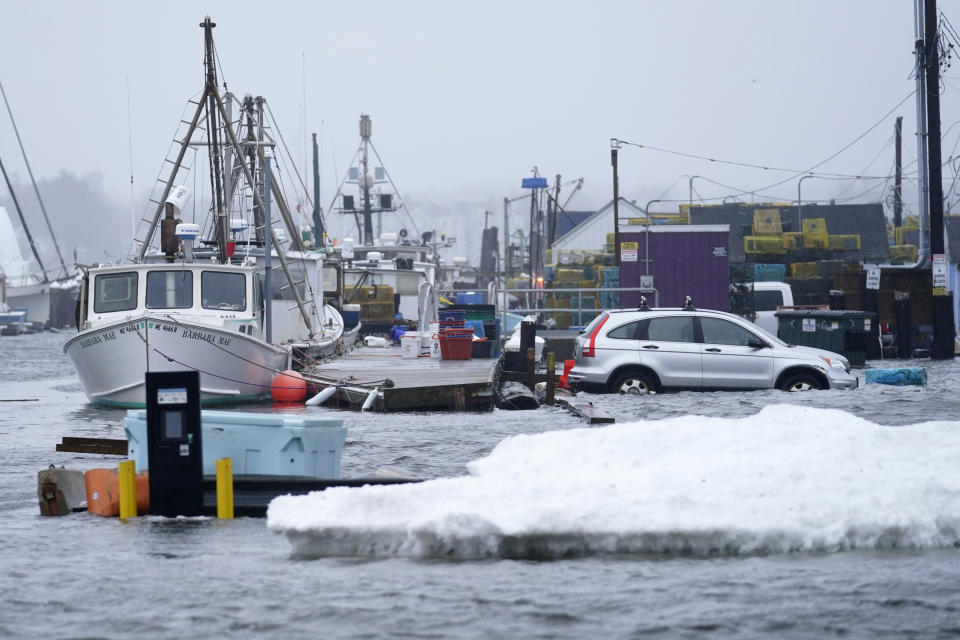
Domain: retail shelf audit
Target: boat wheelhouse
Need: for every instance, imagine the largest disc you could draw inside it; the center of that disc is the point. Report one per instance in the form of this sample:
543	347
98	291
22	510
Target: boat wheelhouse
151	317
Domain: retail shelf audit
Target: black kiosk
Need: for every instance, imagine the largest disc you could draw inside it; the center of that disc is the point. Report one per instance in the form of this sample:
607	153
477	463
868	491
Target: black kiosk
174	447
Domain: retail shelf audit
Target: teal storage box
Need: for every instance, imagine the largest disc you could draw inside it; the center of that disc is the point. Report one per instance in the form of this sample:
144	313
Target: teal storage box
258	443
904	376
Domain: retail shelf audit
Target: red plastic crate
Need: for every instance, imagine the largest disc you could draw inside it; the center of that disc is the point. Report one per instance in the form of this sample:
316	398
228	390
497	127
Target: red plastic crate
455	348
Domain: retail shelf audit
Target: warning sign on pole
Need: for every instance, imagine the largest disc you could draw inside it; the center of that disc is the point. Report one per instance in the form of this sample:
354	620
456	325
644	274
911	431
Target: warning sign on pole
939	268
873	277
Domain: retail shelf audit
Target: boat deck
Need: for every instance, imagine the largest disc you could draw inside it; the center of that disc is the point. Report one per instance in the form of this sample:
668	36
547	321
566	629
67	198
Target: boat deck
415	384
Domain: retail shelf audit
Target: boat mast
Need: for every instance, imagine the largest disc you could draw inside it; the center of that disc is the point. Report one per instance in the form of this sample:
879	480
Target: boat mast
35	189
366	129
23	221
221	222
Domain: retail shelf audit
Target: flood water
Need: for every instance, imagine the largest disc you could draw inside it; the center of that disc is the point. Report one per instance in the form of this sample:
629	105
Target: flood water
82	576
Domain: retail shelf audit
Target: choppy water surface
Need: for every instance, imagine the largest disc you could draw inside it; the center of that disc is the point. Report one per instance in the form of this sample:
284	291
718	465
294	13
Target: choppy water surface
87	577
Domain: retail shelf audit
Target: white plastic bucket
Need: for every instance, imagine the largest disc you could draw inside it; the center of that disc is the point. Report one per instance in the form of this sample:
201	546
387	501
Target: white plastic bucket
410	344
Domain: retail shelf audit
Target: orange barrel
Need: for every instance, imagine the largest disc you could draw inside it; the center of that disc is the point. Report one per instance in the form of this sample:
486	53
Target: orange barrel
103	492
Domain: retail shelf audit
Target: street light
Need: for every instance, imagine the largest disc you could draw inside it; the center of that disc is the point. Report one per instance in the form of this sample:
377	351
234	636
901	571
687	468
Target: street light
800	201
690	184
646	236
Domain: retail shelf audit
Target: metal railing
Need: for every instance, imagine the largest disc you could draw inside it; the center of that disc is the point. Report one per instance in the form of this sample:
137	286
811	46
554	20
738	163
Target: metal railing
533	300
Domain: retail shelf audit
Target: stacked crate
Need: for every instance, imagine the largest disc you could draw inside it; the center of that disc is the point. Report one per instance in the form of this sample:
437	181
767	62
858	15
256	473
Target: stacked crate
611	280
803	270
903	253
815	233
769	272
844	242
376	303
766	222
792	240
762	244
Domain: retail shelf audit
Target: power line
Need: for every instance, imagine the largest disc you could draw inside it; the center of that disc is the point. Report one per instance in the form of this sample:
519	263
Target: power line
797	173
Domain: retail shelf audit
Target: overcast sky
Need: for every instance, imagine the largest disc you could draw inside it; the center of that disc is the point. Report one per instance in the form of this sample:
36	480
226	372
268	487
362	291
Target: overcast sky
466	98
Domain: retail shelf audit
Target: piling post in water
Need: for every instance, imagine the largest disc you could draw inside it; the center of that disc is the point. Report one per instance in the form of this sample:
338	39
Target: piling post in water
551	377
127	473
901	305
225	489
531	369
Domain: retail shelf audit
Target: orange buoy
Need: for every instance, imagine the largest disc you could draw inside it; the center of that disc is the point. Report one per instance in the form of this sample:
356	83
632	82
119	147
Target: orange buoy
288	386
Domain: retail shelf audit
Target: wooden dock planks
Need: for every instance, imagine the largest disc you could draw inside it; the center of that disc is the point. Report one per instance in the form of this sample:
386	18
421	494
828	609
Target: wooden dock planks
415	384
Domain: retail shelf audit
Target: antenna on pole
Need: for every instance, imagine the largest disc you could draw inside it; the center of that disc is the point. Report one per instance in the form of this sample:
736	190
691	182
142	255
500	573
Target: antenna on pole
133	212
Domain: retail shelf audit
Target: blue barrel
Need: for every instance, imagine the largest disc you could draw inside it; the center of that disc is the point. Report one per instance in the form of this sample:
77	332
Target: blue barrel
351	316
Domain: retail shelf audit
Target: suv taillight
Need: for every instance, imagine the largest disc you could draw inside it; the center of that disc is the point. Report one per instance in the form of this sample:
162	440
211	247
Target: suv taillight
589	347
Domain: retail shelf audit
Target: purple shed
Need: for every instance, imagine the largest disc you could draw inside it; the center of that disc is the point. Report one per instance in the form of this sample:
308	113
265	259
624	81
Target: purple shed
685	260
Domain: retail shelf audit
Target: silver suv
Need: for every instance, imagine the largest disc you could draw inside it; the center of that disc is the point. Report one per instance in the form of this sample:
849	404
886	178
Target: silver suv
645	350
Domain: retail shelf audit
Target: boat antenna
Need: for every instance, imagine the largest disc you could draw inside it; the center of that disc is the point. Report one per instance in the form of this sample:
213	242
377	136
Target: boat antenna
35	189
133	211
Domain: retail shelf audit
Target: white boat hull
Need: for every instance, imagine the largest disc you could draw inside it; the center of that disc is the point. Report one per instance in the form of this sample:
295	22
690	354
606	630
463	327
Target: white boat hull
111	360
34	299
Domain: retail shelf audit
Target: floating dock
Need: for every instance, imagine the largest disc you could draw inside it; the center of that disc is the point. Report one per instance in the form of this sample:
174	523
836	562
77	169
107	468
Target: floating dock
407	384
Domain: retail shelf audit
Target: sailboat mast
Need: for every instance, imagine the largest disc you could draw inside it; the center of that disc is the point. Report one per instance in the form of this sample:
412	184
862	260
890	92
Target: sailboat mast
23	221
43	209
213	129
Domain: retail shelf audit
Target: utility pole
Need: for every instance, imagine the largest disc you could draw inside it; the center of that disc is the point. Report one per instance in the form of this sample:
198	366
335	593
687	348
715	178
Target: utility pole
506	240
614	145
898	176
943	328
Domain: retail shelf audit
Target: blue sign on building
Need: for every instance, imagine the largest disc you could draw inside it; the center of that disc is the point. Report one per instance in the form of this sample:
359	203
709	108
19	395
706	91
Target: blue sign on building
534	183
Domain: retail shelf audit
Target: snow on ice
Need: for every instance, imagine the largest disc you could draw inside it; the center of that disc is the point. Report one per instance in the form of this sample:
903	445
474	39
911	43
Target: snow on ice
789	478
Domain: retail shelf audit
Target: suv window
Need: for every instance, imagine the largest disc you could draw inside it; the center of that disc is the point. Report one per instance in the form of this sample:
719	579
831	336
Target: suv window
629	331
720	331
670	329
593	323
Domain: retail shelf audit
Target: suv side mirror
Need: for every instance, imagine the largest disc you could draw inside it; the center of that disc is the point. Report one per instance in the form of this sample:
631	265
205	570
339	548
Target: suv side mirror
757	344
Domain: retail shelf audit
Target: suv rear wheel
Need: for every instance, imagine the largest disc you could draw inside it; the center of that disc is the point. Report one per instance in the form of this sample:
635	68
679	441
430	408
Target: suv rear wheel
633	382
800	382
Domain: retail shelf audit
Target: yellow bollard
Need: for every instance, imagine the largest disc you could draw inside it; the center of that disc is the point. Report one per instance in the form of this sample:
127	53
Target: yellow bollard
127	472
225	488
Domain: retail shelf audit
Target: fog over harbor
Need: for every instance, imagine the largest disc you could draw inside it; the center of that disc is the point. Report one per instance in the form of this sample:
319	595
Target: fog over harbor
467	100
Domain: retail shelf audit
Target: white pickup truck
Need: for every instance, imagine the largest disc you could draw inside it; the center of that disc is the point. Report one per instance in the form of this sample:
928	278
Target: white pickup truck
767	297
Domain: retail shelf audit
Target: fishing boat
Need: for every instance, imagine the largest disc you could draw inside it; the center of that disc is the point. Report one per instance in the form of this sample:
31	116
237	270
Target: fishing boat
238	310
391	275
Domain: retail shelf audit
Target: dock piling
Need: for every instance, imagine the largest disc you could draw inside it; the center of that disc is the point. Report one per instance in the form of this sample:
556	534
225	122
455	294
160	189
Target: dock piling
531	368
225	489
551	377
127	473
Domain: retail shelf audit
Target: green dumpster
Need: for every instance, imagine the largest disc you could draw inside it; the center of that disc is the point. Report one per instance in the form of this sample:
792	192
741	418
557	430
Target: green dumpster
843	332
